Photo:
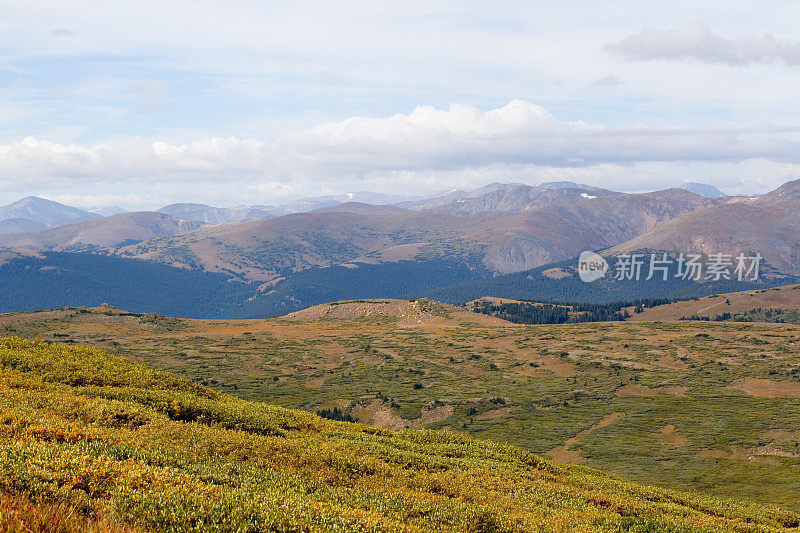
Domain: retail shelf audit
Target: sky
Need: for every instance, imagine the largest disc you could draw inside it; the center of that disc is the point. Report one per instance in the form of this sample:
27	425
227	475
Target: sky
141	104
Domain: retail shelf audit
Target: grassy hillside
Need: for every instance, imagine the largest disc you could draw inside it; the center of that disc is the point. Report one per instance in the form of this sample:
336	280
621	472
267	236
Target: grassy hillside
689	405
785	297
768	305
87	434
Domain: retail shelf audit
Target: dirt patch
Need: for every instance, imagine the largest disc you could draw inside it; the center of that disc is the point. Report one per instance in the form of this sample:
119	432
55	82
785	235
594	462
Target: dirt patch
707	453
782	434
333	355
761	454
766	388
771	450
563	454
647	392
555	273
668	436
315	383
669	361
529	371
557	366
379	414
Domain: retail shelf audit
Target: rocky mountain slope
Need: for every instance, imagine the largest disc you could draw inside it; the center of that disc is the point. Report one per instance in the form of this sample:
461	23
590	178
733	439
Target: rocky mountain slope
514	200
516	229
269	249
768	224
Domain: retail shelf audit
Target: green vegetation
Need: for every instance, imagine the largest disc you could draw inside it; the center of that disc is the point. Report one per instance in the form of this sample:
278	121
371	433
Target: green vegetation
111	443
759	314
704	406
547	313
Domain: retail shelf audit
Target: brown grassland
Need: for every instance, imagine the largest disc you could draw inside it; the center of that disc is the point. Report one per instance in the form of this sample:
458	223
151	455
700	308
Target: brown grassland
700	406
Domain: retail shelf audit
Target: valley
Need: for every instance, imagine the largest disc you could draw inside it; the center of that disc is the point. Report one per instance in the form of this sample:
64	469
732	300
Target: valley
713	407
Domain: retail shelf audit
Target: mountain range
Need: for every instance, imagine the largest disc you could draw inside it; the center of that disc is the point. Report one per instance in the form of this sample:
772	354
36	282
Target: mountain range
415	245
768	225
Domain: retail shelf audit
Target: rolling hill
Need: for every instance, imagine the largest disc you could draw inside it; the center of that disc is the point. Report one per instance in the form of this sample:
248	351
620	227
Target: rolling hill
215	215
510	229
786	297
101	234
20	225
264	250
699	406
118	445
353	250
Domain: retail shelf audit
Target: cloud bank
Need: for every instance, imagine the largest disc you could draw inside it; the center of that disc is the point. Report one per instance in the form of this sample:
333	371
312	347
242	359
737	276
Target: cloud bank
699	43
426	140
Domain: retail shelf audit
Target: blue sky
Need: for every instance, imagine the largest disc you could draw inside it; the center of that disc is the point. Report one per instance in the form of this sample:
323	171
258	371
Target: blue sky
145	103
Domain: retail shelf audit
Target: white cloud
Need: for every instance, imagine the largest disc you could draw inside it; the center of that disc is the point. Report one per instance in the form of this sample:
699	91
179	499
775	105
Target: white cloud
95	201
699	43
426	141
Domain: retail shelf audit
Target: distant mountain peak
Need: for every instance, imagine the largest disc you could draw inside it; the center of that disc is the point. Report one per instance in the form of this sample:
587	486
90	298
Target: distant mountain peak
45	212
703	189
494	186
788	193
562	185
